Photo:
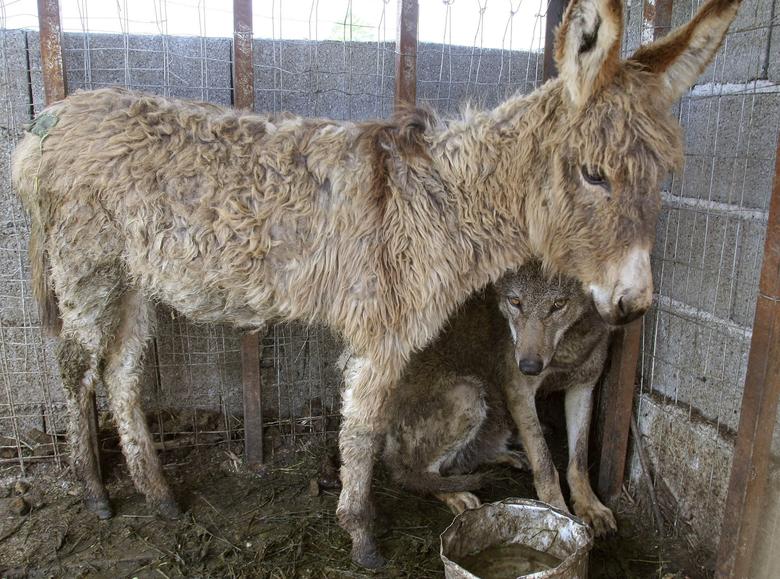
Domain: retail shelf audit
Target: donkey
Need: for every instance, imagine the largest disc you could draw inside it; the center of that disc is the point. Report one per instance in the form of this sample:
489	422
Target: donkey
462	400
378	230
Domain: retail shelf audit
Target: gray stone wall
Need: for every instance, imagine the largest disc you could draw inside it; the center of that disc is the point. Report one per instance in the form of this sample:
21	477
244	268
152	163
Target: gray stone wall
706	264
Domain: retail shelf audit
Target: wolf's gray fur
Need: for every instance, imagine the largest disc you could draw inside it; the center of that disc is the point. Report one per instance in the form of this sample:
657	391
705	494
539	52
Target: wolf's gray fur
458	397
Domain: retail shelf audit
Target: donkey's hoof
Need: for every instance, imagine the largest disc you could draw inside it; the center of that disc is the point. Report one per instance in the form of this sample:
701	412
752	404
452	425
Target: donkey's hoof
169	509
368	558
100	507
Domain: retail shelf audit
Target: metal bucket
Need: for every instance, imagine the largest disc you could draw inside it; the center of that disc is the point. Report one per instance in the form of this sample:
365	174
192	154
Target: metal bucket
516	538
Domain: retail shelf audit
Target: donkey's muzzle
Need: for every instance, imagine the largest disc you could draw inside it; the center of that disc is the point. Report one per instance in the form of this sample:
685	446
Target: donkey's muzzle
627	291
625	309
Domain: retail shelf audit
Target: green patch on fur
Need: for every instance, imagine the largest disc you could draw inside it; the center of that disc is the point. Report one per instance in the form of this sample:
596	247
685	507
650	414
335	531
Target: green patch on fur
43	124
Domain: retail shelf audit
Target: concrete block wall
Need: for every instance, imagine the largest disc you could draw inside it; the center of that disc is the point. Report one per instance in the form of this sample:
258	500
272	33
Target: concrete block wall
193	365
706	264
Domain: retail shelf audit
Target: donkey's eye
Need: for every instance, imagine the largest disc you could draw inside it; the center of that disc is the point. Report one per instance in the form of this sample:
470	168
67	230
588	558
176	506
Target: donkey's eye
558	305
594	176
516	303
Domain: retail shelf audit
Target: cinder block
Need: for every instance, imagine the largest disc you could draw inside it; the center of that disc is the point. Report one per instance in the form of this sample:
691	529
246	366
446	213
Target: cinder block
730	148
743	53
773	64
693	461
449	77
636	29
15	111
709	262
193	68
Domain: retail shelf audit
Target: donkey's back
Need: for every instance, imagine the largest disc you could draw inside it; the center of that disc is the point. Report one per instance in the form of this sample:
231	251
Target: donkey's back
217	213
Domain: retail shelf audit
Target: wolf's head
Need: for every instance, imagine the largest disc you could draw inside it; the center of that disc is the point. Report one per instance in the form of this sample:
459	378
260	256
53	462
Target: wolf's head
539	311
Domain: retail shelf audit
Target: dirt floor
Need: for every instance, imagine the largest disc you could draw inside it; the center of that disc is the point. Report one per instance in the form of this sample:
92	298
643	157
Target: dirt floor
280	524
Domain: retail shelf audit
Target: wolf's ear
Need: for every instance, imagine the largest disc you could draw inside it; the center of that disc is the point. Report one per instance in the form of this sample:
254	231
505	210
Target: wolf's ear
681	56
587	46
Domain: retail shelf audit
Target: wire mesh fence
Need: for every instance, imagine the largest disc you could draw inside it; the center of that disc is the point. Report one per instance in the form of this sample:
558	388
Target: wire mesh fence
311	57
337	59
706	265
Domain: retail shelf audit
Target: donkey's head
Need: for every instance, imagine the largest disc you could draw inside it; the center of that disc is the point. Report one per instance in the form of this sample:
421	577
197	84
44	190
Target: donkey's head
615	140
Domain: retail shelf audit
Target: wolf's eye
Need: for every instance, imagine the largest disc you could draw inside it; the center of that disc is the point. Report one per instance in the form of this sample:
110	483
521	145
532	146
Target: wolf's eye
517	303
558	304
594	176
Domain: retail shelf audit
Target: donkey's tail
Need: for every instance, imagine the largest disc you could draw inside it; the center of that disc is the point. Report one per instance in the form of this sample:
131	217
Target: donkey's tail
430	482
25	169
48	309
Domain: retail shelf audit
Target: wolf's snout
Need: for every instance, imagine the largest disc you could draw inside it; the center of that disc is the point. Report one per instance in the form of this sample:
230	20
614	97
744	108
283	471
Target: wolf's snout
531	366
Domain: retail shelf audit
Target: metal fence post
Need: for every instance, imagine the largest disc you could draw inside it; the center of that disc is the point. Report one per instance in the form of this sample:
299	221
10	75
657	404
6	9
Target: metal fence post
244	98
406	53
55	89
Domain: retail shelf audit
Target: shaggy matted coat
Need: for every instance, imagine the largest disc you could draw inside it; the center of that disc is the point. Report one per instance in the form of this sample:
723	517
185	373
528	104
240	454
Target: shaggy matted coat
379	229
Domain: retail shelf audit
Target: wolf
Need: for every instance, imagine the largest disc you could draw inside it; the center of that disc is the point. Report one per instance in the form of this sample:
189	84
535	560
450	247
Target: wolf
463	400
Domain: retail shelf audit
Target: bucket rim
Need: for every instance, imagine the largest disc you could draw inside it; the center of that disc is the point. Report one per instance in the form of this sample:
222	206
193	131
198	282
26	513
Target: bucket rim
565	565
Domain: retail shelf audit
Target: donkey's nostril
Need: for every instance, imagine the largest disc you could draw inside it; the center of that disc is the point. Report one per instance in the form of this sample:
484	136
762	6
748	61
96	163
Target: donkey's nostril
530	366
622	306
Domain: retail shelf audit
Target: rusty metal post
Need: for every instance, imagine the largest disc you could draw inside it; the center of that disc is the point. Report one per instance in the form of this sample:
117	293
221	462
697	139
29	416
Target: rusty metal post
244	98
253	400
406	53
55	89
54	86
243	71
747	485
555	10
621	379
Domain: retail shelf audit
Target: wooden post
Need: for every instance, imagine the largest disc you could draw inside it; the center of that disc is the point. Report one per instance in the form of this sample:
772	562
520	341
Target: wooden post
244	98
618	394
406	53
555	10
758	414
620	382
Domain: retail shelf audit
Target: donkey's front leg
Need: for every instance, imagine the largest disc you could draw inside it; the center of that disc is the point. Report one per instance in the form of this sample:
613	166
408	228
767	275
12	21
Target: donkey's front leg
521	395
366	391
579	405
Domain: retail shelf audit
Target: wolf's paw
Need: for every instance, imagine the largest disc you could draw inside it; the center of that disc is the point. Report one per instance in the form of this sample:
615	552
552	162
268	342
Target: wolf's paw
599	517
459	502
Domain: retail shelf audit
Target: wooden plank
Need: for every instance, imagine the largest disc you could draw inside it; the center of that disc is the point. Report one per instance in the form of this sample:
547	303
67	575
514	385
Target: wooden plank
618	393
54	86
244	98
745	501
406	53
618	397
253	402
555	10
243	71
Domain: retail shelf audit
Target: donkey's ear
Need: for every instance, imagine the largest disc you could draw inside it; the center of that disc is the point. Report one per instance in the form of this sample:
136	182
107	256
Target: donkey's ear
680	57
587	46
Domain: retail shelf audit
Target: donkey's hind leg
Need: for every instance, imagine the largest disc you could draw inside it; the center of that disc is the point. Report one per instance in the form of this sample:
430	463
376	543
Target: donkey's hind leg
78	355
124	363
